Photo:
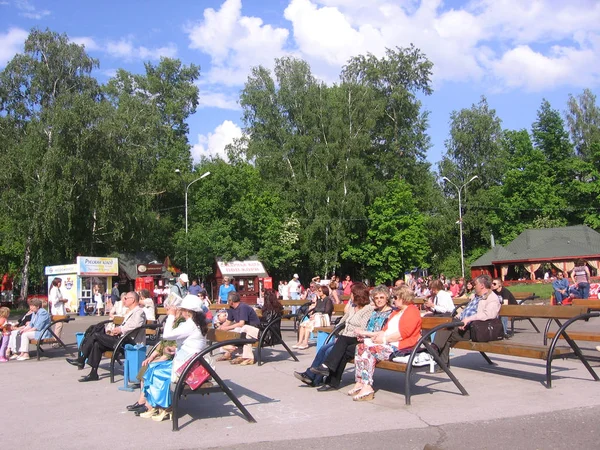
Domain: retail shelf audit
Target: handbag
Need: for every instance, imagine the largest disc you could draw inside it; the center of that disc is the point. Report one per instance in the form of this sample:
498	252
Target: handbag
197	374
487	330
321	320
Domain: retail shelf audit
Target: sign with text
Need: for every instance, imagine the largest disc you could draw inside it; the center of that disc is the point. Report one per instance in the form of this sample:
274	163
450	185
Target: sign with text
94	265
150	269
61	270
242	268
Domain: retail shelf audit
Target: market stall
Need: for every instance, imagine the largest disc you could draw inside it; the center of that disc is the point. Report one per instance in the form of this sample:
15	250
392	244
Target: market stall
80	279
249	278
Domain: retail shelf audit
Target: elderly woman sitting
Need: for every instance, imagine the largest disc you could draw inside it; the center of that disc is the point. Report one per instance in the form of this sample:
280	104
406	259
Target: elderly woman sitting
401	333
20	337
331	359
319	314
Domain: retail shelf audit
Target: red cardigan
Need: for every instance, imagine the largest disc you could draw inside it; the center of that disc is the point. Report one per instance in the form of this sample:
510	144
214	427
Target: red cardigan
409	326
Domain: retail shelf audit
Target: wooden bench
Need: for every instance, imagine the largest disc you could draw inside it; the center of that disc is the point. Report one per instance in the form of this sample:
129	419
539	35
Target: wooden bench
182	390
429	326
547	353
591	336
268	336
522	297
50	340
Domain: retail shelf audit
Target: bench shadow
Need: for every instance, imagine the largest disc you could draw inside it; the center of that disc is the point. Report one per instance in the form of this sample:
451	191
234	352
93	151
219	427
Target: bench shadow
217	404
390	381
275	354
476	362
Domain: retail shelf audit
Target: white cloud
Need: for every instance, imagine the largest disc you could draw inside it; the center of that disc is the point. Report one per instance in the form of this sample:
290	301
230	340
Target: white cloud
125	49
489	40
11	43
217	99
88	42
235	43
213	144
30	11
523	67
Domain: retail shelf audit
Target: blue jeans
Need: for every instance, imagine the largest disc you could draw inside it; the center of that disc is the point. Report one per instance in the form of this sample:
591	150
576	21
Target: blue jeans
581	290
559	297
320	357
505	324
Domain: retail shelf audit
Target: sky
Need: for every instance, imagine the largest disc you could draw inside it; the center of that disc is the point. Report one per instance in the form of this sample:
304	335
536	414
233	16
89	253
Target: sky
515	52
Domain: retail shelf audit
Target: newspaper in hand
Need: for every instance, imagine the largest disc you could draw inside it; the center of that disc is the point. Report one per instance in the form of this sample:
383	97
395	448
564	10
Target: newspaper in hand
172	300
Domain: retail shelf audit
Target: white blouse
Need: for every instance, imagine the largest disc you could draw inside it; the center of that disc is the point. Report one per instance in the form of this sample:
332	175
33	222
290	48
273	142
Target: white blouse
189	340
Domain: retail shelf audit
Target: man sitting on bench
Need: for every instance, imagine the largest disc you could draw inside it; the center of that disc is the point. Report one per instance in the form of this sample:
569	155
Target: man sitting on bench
99	342
485	305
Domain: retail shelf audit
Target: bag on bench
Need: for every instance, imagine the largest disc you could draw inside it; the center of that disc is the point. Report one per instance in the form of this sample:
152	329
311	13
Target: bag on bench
487	330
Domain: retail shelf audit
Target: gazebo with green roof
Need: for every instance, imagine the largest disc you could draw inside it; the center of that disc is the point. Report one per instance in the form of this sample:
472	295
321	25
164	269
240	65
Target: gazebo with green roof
533	249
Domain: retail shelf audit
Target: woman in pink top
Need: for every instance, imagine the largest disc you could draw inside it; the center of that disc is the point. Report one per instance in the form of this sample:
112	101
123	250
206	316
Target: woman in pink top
347	285
454	288
581	277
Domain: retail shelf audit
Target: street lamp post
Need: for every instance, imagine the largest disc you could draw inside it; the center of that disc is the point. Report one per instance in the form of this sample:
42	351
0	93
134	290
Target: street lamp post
459	189
204	175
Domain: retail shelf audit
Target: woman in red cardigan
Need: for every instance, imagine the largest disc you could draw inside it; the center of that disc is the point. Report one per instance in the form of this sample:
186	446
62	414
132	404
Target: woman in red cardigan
402	332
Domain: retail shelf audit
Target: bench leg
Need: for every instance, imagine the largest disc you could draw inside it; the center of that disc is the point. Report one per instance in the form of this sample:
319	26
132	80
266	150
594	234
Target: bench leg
487	358
438	360
227	391
533	325
577	352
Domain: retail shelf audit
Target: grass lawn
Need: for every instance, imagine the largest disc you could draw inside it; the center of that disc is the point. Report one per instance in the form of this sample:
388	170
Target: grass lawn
543	290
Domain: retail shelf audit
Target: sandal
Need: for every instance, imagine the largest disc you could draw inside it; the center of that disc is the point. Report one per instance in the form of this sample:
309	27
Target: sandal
352	392
162	415
303	347
247	362
224	357
364	397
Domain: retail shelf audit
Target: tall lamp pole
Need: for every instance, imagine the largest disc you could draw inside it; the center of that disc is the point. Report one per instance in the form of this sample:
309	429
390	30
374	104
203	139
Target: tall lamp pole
204	175
460	225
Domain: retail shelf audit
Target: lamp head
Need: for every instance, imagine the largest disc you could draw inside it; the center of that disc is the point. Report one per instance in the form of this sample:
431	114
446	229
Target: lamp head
178	172
205	175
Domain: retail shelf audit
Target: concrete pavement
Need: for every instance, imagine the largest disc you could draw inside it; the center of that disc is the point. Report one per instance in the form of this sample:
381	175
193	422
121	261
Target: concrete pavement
48	406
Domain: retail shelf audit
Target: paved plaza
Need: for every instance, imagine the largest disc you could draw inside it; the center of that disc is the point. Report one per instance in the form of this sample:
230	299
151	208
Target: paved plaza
508	406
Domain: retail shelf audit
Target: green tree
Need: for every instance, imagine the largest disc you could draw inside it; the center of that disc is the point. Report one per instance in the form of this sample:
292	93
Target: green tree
234	215
328	150
473	149
397	235
45	95
583	118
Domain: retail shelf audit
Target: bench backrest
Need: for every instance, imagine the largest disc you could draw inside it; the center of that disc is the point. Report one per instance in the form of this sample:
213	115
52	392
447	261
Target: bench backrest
523	295
216	335
429	322
541	311
54	318
591	304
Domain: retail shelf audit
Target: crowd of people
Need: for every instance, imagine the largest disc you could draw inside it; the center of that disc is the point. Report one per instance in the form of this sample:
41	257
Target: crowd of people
379	324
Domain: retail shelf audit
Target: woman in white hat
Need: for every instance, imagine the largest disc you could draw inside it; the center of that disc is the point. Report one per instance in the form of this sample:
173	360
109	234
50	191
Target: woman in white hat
191	339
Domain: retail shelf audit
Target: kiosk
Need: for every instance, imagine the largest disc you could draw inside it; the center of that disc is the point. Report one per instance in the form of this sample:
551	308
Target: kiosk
249	278
79	279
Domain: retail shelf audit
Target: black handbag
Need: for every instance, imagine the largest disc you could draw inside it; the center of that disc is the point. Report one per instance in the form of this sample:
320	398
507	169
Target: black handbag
487	330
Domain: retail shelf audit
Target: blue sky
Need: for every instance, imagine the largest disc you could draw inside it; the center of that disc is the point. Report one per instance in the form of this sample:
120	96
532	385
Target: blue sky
515	52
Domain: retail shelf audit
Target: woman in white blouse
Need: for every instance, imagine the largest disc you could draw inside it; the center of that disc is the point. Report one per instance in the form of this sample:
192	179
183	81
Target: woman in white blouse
191	339
58	304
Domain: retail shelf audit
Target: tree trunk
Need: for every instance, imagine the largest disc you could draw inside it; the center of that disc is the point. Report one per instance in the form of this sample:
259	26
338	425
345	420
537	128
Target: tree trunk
25	270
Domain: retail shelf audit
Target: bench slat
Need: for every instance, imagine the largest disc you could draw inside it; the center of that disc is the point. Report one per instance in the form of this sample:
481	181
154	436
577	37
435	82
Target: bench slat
512	349
591	304
541	311
578	336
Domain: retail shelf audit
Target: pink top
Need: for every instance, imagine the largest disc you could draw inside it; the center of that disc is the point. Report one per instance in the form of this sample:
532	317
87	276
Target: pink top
580	274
